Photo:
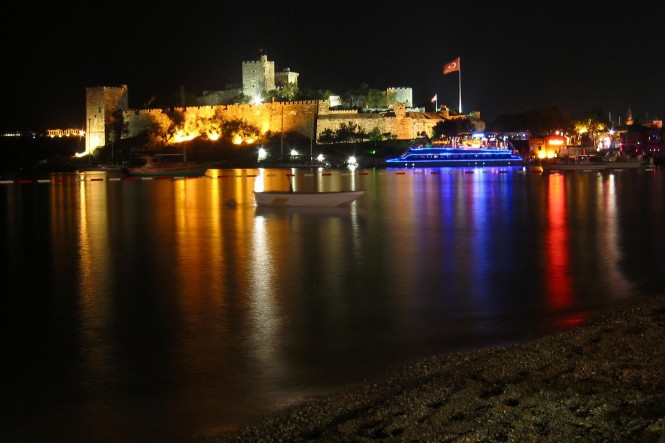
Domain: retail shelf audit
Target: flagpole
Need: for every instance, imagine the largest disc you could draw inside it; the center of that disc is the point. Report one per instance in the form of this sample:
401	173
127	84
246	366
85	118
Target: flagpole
459	71
453	66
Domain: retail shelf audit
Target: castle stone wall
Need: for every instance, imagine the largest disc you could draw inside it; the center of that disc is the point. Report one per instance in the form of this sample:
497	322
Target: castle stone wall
401	124
298	117
100	103
305	118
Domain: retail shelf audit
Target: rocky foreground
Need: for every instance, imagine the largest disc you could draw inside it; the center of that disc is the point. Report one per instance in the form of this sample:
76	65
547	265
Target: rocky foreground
602	382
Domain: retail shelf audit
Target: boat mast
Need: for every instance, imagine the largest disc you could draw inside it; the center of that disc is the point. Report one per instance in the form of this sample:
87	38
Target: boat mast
311	141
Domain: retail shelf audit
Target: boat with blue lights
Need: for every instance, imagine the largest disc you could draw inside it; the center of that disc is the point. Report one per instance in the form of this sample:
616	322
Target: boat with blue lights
432	155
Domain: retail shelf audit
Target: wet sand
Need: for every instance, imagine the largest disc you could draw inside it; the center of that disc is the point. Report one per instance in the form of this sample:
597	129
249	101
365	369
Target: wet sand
603	381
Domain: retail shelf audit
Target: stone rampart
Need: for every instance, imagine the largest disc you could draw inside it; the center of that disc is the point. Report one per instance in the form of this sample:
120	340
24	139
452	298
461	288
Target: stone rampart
399	123
301	117
274	117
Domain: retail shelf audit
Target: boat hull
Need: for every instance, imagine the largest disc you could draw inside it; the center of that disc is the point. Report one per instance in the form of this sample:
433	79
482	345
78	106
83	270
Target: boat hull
601	166
625	165
309	199
554	167
451	163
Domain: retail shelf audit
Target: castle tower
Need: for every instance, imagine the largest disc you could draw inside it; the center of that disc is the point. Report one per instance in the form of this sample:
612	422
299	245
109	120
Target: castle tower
286	77
258	77
100	104
400	96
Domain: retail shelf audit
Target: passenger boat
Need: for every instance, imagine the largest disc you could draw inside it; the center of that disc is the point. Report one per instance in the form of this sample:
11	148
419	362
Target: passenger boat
312	199
161	166
428	156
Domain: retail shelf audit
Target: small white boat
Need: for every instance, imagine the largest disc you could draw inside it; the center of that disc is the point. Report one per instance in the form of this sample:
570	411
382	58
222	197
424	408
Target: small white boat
312	199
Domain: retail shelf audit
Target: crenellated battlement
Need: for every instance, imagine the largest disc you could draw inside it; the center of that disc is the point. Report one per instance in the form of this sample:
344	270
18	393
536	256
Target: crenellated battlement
342	111
262	60
120	88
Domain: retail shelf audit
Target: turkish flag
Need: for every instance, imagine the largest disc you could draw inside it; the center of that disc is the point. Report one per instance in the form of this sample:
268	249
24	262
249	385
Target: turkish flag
452	66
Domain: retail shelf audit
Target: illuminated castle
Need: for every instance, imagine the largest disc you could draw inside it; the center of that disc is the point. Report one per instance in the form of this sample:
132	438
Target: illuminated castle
106	105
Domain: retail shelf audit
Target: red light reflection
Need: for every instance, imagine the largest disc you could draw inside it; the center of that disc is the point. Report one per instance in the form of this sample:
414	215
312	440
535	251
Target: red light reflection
557	252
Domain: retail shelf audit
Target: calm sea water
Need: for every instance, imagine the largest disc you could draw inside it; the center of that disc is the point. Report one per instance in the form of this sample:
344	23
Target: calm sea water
155	310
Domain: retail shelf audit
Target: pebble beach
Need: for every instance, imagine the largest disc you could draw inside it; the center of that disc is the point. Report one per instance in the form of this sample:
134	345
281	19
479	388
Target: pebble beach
603	381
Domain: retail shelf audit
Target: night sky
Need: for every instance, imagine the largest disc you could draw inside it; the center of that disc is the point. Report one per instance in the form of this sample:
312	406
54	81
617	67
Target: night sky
514	58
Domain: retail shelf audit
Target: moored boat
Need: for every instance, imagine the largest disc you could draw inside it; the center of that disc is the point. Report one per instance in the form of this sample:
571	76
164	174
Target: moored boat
432	156
589	163
159	166
311	199
582	163
292	161
98	167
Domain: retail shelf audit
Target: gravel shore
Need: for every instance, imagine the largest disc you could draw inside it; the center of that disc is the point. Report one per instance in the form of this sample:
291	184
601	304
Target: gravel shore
601	382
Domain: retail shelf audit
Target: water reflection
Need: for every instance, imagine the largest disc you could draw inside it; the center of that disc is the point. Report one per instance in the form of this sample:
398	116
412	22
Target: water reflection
157	300
608	235
557	244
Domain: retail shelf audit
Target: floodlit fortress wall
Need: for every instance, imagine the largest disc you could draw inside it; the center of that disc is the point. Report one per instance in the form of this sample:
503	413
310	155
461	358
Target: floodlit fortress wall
275	117
306	118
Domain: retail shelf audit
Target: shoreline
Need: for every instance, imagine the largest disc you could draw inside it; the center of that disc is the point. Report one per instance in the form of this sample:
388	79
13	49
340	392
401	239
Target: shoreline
601	381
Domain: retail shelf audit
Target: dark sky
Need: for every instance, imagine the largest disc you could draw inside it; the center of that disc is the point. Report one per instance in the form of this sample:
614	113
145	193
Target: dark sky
573	55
